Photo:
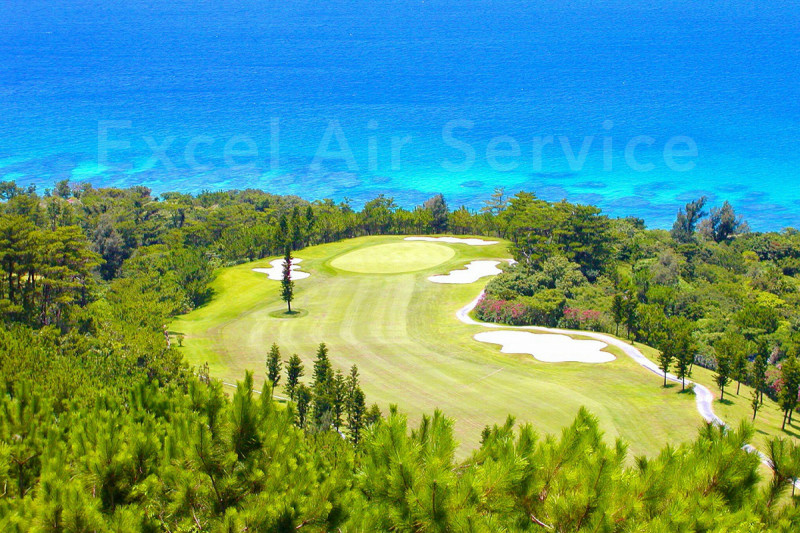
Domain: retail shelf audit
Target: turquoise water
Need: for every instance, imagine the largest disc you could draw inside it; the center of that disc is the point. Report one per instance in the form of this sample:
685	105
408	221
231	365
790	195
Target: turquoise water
242	93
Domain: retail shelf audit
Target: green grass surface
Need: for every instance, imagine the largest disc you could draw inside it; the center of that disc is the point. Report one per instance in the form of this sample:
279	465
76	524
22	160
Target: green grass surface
393	258
401	331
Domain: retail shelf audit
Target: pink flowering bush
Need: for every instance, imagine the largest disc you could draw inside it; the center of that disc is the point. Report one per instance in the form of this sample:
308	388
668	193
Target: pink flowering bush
543	309
588	319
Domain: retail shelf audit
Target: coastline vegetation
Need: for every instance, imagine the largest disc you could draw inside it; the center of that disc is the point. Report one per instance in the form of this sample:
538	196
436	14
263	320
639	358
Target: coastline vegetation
105	427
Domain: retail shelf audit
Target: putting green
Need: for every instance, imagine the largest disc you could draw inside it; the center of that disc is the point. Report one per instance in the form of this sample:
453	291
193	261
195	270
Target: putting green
394	258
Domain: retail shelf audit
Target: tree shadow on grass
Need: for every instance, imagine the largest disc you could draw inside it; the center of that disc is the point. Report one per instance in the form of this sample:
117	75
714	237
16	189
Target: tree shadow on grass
724	401
792	430
669	386
282	313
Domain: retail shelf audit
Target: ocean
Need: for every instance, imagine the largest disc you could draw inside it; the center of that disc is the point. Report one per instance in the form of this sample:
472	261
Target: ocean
634	107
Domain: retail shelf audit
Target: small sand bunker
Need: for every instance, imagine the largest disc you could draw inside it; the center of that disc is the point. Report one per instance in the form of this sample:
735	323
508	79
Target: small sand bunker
474	271
453	240
276	271
547	347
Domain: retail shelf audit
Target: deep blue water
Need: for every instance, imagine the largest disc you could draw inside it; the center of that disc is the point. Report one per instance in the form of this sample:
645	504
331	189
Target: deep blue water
195	76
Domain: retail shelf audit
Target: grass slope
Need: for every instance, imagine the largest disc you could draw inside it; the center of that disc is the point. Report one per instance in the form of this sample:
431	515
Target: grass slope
736	407
401	331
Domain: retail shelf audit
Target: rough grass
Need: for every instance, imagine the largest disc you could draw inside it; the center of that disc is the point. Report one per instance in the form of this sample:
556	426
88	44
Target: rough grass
402	332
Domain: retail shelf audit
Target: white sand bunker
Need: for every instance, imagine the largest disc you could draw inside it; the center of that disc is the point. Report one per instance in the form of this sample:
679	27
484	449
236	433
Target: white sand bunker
547	347
276	272
474	271
453	240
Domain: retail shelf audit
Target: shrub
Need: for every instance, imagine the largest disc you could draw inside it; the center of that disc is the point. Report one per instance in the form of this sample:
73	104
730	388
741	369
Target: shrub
588	319
545	308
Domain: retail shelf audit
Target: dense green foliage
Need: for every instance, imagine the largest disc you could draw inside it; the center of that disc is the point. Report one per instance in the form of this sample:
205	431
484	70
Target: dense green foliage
188	458
104	428
686	292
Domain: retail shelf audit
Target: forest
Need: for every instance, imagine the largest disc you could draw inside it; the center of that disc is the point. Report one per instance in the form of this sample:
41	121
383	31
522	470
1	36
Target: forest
103	427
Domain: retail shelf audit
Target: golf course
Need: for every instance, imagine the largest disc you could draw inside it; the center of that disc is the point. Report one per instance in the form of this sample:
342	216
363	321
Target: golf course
370	300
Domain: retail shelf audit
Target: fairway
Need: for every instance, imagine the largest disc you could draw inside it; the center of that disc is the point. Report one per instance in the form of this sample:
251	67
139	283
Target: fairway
394	258
402	331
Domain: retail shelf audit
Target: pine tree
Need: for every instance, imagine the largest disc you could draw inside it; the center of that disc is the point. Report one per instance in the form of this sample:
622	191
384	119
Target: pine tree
734	345
244	419
356	415
723	369
373	415
684	347
274	365
631	314
294	371
339	398
760	366
304	397
790	374
618	311
755	401
666	356
322	386
287	285
739	369
352	380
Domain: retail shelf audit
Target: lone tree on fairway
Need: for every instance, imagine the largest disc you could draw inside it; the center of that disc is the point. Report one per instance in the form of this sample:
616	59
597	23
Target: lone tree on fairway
274	366
294	370
287	285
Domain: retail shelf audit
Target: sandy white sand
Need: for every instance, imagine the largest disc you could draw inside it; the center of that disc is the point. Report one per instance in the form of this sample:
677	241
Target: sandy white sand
547	347
276	271
453	240
473	272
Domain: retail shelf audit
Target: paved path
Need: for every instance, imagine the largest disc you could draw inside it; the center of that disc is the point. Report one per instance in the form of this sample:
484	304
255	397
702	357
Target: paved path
703	397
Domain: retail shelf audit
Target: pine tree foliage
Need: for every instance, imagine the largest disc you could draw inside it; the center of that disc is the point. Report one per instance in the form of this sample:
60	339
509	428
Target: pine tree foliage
274	365
179	459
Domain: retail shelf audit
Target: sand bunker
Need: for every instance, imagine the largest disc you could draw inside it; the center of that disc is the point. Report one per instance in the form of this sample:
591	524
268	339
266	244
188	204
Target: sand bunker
453	240
474	271
276	272
548	348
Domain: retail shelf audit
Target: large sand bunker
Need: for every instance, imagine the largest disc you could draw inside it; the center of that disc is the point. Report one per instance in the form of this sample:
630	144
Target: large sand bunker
547	347
453	240
276	271
473	272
